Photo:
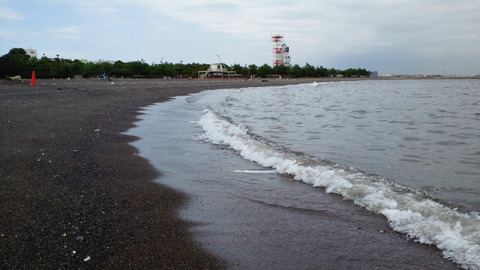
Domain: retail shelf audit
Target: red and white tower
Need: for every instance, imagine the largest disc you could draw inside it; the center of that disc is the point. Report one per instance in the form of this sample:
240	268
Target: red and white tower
281	52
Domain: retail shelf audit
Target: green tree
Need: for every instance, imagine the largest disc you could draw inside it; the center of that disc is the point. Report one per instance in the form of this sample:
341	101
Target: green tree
363	72
76	68
105	67
170	70
120	69
156	70
359	72
138	68
240	70
18	62
43	67
309	71
191	70
15	63
264	70
252	70
90	70
297	72
321	71
333	72
281	69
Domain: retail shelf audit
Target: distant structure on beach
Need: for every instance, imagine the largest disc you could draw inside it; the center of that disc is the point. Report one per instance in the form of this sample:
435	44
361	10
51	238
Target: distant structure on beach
31	52
217	70
281	52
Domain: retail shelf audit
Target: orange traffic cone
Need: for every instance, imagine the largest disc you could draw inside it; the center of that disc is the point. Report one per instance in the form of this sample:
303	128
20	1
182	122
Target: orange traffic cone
34	79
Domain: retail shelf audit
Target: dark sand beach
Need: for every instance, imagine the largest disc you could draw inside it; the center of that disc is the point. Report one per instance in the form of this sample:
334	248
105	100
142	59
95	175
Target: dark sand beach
73	192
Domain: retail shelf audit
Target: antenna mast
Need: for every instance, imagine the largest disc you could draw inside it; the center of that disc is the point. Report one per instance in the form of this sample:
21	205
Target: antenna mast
281	52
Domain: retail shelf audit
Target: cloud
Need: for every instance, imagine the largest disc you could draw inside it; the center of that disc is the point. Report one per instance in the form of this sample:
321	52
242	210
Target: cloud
7	34
9	14
69	32
95	9
339	21
323	32
375	34
336	26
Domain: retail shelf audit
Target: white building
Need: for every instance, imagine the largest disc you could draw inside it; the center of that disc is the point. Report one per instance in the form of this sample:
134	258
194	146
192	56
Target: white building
31	52
217	70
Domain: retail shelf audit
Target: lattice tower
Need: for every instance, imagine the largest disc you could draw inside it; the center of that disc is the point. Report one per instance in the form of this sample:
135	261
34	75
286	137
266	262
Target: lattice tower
281	52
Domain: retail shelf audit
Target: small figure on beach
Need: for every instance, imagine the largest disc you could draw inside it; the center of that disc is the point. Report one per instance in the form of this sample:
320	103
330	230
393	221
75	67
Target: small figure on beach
104	76
17	78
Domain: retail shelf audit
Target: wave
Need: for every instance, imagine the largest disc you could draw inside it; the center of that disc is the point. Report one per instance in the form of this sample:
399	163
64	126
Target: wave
408	211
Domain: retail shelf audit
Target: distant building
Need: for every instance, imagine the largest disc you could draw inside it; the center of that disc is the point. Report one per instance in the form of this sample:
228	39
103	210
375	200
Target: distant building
217	70
32	53
374	74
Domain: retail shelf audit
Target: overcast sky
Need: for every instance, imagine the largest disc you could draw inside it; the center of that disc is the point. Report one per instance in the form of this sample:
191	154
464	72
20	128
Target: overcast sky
392	37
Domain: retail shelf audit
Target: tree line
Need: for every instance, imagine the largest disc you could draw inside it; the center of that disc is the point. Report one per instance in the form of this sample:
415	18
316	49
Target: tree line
18	62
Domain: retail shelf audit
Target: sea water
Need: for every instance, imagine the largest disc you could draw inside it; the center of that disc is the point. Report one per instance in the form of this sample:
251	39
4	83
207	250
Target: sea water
407	150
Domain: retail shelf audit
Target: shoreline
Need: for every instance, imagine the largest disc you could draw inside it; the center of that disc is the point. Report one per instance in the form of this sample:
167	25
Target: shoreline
75	194
266	221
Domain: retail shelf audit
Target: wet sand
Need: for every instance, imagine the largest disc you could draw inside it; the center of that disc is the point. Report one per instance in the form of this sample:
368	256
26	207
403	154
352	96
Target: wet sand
73	192
267	220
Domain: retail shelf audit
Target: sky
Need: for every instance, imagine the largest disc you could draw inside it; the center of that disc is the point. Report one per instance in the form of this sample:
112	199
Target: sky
392	37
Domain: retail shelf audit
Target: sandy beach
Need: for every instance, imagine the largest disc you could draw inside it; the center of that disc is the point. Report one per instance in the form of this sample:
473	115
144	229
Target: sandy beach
74	194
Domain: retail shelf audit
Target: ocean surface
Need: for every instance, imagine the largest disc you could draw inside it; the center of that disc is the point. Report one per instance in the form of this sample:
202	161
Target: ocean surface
373	156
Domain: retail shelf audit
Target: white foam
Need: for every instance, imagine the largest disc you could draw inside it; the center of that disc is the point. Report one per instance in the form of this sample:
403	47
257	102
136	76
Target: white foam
456	234
255	171
315	84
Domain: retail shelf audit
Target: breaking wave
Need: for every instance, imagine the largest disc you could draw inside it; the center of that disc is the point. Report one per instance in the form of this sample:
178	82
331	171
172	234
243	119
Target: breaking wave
408	211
